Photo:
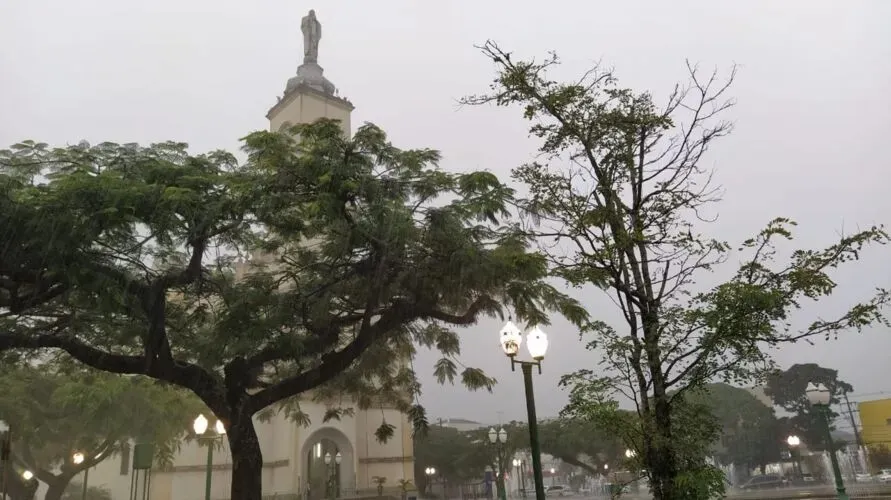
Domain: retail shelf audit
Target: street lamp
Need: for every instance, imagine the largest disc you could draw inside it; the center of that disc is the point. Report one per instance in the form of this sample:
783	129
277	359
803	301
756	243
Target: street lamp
498	440
430	472
331	468
5	448
819	397
78	458
537	343
518	466
629	454
793	441
27	475
200	427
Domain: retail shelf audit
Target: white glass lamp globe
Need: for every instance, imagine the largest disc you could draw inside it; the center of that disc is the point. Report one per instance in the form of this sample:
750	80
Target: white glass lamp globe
493	435
517	462
338	458
502	435
510	337
27	475
793	441
817	394
220	428
537	343
200	425
77	458
327	459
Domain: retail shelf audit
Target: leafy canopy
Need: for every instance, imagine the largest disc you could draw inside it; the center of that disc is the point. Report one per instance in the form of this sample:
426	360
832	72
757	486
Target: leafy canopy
751	434
313	268
57	410
787	389
617	197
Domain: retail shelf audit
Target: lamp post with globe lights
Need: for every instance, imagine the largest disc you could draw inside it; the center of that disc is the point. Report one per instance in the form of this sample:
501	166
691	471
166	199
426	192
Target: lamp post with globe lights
332	466
521	475
78	458
537	343
200	426
794	442
498	440
430	472
819	397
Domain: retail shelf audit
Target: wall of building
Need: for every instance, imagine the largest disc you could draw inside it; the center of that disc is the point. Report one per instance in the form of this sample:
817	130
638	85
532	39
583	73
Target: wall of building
875	420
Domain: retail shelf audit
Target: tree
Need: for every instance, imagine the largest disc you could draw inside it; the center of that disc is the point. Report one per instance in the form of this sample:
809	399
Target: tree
499	457
580	443
751	433
125	258
787	389
58	410
452	453
616	197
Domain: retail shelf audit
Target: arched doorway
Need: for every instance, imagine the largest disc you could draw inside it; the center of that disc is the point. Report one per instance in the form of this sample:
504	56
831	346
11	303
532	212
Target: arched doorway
324	477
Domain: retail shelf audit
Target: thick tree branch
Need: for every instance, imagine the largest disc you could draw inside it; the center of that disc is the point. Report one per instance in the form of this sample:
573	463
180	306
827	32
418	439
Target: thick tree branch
336	362
185	375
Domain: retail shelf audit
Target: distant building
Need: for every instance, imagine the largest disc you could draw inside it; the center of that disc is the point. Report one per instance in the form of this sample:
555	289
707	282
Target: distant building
460	424
875	420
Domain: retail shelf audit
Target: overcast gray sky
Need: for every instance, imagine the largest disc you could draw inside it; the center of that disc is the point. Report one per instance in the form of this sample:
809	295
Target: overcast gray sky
812	90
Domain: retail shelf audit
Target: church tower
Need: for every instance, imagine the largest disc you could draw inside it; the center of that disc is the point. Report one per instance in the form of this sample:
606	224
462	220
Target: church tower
309	95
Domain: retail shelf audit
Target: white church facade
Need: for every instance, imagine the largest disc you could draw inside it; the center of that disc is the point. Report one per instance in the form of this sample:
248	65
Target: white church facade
294	463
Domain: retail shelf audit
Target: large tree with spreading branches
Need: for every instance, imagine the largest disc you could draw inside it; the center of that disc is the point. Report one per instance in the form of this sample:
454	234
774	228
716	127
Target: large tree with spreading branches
127	259
617	197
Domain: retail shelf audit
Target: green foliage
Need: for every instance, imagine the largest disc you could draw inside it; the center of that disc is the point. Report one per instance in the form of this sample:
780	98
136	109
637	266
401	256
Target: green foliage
57	410
379	481
751	434
577	442
456	456
702	483
129	259
615	192
787	389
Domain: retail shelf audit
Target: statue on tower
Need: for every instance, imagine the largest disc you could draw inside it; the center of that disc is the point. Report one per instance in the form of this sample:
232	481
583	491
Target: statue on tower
312	33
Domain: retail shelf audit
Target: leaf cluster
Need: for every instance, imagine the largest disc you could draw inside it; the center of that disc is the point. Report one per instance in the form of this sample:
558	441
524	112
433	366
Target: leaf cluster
56	409
313	269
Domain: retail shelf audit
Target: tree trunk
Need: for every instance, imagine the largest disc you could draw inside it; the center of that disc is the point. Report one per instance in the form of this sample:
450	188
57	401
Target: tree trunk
55	489
247	459
663	462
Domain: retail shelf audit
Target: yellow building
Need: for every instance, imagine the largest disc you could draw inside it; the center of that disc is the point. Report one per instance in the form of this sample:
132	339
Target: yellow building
875	420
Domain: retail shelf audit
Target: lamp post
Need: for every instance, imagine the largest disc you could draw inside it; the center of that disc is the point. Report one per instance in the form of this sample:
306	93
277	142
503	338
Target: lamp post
5	450
78	458
794	441
629	455
537	343
331	467
498	440
430	472
518	466
200	426
819	397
